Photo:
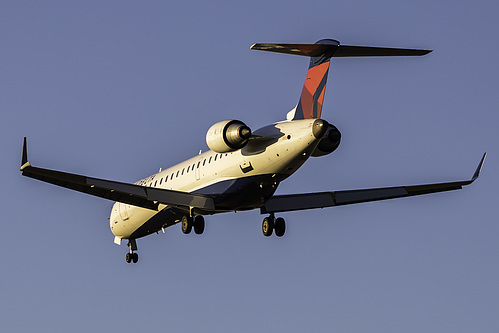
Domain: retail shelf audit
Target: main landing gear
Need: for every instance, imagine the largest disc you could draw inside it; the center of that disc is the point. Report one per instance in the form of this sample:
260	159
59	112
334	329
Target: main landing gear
132	256
271	223
188	222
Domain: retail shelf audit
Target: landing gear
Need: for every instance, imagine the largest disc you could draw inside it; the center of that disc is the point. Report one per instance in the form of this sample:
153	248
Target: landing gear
270	224
132	256
187	223
198	224
279	227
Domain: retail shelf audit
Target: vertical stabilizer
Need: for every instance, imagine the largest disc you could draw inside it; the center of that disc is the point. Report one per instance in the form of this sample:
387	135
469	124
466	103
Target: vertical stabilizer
312	96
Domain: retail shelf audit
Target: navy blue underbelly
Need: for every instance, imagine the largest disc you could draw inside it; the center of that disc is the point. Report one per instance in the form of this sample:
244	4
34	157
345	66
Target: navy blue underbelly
229	195
241	193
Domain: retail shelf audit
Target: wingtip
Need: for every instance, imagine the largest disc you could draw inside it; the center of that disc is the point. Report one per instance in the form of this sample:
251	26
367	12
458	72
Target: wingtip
24	158
479	168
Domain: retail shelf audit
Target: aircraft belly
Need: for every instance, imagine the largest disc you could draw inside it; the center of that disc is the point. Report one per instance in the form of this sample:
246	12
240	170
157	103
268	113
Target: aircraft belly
162	219
241	193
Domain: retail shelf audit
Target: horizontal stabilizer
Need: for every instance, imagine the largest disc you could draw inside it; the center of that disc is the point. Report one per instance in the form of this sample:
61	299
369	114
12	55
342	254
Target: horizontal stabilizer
317	50
367	51
308	50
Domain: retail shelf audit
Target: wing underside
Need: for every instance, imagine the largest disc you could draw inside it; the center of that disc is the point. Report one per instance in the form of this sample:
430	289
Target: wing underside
293	202
141	196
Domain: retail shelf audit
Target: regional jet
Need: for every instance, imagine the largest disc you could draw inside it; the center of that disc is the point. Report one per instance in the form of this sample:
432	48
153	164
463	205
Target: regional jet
242	168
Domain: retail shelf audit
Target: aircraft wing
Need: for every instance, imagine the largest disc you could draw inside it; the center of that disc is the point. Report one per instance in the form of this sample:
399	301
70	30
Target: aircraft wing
286	203
141	196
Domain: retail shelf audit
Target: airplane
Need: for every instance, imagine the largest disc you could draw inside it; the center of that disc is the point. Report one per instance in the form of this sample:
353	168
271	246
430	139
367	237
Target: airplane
243	168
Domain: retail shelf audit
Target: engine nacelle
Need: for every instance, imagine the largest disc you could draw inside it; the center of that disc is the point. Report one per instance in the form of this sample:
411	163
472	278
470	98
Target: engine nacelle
329	142
227	136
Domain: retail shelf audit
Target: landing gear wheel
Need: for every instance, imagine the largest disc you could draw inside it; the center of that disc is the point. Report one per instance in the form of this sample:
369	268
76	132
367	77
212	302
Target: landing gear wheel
186	224
267	226
199	224
132	256
280	227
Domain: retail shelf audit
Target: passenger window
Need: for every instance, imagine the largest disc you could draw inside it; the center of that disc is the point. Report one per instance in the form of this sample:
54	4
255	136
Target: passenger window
171	176
177	173
209	161
155	183
204	162
188	168
183	171
216	155
161	181
199	164
193	166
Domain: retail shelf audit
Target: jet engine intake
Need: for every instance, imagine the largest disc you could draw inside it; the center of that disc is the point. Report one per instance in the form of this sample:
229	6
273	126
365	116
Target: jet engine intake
227	136
329	142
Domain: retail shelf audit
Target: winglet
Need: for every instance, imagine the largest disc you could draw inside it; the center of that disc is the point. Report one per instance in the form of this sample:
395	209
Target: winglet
479	168
24	159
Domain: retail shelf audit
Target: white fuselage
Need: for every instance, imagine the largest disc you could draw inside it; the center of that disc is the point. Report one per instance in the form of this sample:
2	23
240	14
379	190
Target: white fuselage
274	153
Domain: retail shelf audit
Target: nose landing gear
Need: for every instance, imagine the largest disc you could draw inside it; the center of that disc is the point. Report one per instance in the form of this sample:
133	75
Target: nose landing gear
271	223
132	256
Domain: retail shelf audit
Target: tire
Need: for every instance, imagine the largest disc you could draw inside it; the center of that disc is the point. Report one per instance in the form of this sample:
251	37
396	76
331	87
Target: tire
280	227
186	224
199	224
128	258
267	226
135	257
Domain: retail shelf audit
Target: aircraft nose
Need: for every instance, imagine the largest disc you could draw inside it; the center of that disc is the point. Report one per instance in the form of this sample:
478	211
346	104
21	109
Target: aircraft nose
113	218
319	127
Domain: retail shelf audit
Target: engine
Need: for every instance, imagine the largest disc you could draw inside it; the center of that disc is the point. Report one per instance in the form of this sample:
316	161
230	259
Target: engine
227	136
329	142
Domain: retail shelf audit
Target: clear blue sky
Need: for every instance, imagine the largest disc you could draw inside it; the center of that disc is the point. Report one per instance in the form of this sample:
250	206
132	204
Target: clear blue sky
118	89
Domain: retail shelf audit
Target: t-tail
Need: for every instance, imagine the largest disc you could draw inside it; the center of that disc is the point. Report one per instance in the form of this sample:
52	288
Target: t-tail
312	96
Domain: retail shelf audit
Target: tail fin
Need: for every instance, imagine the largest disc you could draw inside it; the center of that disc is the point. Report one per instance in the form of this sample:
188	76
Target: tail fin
312	95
